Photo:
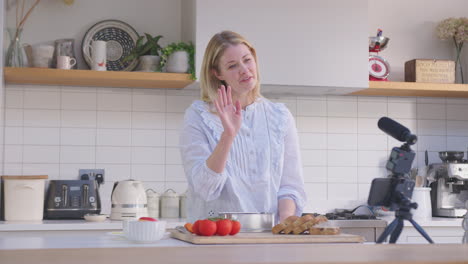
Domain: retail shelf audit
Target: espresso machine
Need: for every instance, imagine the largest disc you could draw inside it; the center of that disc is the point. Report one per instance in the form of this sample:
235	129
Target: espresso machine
449	184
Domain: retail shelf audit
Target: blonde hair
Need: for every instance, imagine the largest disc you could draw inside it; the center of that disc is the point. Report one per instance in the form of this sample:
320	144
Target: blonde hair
214	50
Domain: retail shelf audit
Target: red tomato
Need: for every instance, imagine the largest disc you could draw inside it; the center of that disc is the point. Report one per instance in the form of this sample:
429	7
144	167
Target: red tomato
151	219
195	227
207	227
236	226
224	227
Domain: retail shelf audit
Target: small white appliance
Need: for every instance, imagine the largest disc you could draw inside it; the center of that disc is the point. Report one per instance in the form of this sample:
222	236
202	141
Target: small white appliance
128	200
23	197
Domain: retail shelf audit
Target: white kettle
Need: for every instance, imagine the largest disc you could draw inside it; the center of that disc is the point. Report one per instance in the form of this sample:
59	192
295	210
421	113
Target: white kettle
128	200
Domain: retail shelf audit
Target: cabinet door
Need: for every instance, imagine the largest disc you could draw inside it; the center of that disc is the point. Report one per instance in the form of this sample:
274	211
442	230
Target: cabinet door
439	235
299	43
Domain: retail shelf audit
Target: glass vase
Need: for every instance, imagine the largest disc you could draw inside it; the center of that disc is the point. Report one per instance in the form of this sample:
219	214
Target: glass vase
14	56
459	74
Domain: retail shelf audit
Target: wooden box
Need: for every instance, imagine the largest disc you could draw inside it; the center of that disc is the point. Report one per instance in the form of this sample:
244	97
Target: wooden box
430	71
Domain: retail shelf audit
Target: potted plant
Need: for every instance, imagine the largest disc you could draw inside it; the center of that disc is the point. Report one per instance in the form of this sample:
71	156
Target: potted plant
147	52
179	57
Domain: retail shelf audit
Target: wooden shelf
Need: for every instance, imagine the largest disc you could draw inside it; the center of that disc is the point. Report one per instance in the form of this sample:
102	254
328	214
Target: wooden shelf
415	89
44	76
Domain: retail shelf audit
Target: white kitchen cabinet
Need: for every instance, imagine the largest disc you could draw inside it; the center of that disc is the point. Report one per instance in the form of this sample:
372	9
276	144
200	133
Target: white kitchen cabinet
452	234
303	45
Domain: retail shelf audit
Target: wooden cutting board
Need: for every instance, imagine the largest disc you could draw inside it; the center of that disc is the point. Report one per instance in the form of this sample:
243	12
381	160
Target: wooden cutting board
265	238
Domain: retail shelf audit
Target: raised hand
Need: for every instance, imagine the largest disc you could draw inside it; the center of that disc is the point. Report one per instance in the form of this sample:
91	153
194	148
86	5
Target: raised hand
230	114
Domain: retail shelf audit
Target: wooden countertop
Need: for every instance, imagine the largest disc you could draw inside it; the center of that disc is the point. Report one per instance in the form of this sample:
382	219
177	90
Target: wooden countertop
267	253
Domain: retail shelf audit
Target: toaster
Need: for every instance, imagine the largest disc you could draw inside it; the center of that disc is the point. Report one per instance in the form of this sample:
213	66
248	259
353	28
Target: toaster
72	199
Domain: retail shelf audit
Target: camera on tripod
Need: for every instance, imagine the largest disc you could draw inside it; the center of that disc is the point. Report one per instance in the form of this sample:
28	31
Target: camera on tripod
395	191
388	191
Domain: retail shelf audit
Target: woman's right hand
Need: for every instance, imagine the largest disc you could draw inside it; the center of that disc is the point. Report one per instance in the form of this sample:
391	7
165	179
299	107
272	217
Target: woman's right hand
230	114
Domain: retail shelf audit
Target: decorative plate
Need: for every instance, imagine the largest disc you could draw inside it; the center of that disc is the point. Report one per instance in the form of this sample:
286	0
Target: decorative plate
121	39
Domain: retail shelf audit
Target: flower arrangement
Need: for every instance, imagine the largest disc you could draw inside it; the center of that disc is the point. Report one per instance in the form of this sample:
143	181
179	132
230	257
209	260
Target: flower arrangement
457	30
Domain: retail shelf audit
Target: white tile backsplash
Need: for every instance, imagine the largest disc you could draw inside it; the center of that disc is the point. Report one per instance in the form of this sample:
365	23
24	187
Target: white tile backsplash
311	124
134	133
14	117
41	136
431	111
457	112
148	172
14	98
341	109
79	101
13	135
76	118
312	141
148	155
148	120
114	102
106	119
315	174
372	109
115	155
150	138
148	102
41	118
41	100
314	157
78	154
78	136
342	158
401	110
342	141
342	125
114	137
312	107
41	154
342	191
13	154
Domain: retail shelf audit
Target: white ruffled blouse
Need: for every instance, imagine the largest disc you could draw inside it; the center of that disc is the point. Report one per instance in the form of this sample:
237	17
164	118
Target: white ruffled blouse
264	163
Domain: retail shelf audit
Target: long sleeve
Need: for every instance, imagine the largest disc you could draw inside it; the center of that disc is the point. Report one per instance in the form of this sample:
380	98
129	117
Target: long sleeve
195	150
292	181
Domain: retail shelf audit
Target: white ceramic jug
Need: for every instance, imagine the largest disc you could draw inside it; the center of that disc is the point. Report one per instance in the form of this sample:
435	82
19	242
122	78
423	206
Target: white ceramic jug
98	58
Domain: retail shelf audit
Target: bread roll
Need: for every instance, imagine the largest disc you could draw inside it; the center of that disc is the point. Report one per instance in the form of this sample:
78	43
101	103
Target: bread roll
281	226
324	230
297	223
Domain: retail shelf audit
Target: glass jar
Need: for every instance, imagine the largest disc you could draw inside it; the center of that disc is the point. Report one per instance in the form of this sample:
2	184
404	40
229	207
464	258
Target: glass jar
170	204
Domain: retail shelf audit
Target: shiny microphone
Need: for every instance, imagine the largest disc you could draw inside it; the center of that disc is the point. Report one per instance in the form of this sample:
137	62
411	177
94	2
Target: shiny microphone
396	130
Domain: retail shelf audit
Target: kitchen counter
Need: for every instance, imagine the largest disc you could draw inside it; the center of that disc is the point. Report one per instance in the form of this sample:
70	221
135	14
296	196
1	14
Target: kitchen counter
71	225
105	248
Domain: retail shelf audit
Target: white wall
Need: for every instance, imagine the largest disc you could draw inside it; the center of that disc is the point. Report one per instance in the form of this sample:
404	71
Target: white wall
52	20
410	25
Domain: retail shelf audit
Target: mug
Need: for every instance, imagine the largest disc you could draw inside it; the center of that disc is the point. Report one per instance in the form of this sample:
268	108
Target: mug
65	62
64	47
98	56
42	56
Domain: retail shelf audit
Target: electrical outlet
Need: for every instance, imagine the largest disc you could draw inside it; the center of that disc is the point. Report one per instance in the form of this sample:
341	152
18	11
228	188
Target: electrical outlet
91	173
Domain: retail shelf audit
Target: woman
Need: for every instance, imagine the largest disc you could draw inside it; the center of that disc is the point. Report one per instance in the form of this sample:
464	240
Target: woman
240	151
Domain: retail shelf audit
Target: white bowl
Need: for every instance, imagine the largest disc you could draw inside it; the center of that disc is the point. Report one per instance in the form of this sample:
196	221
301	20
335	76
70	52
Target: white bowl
95	217
145	231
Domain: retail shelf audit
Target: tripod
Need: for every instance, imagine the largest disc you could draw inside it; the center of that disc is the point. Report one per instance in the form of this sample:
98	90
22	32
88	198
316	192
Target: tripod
401	214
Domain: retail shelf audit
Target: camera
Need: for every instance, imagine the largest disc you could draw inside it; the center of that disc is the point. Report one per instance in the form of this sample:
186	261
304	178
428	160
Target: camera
395	191
391	191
